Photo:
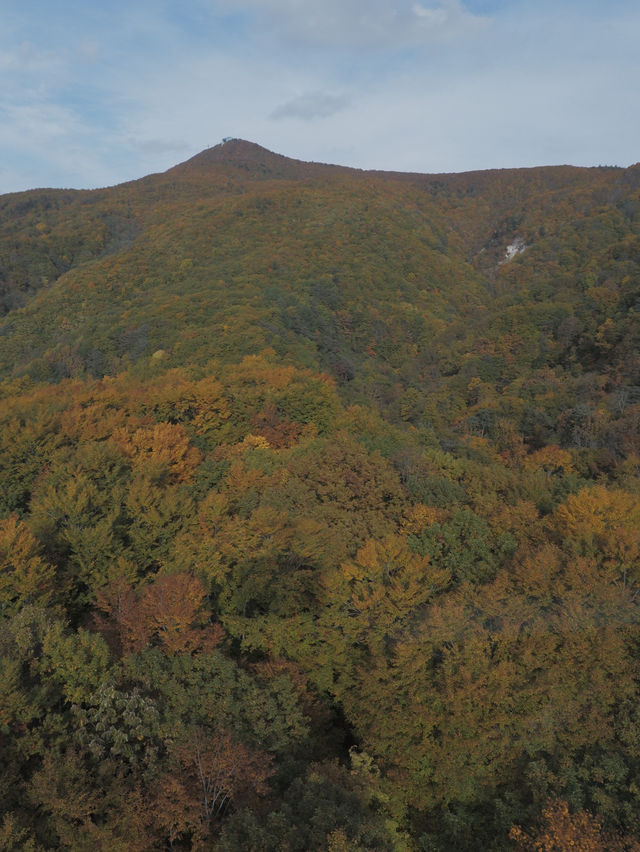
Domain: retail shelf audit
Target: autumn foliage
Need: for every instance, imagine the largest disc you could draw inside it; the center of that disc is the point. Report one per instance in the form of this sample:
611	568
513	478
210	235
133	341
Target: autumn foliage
169	612
319	514
562	830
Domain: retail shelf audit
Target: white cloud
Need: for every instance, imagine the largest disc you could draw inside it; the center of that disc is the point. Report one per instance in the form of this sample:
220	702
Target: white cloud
50	146
155	147
311	105
27	59
430	17
357	23
34	125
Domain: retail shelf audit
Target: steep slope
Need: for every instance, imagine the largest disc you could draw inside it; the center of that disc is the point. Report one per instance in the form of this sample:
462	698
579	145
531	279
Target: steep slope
252	223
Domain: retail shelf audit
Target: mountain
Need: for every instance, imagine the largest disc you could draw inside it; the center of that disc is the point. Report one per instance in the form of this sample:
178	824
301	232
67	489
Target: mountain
319	509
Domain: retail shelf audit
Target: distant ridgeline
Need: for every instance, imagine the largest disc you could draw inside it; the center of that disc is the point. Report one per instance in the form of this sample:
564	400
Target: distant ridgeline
320	510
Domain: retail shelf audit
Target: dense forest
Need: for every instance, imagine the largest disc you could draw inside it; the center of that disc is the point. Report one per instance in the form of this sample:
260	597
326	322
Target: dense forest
320	510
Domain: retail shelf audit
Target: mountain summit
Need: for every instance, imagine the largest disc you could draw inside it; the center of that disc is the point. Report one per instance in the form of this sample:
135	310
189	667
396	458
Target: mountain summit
243	156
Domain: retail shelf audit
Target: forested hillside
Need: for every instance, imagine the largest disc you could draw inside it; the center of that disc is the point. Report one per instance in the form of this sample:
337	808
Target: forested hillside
320	510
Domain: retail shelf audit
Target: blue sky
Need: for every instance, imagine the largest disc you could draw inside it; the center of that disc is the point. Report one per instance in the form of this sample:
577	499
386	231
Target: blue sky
94	94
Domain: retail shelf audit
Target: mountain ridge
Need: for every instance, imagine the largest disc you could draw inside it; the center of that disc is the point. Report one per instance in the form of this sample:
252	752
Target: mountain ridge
246	154
249	156
476	215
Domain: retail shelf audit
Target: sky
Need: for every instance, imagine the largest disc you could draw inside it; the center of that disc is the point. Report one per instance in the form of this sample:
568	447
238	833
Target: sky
93	94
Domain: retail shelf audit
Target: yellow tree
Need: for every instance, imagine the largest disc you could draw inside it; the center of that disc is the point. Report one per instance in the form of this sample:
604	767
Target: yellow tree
561	831
604	524
372	598
24	575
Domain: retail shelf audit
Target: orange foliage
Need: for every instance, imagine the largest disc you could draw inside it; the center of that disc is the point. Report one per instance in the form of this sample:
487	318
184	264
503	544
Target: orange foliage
418	517
172	611
562	831
172	809
279	431
169	611
163	447
550	460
